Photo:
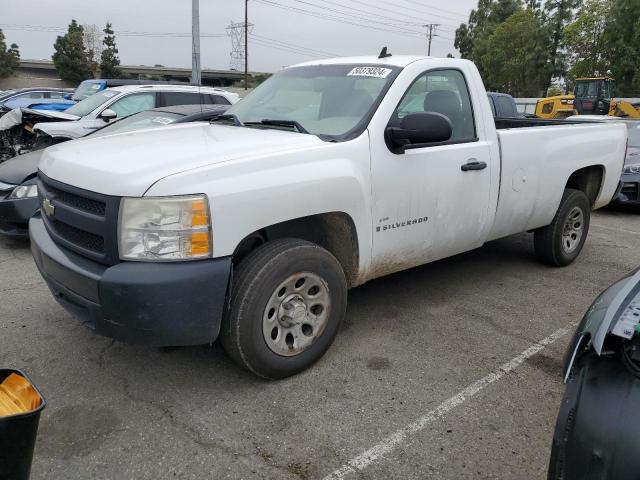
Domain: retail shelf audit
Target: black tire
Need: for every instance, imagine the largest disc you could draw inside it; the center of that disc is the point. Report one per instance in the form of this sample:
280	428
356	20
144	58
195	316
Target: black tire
256	279
548	241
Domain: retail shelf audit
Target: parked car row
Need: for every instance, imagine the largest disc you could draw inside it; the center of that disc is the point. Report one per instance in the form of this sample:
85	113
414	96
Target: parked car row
26	129
18	190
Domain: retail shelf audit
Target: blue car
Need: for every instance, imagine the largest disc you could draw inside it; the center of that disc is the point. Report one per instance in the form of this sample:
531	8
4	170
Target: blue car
11	99
630	192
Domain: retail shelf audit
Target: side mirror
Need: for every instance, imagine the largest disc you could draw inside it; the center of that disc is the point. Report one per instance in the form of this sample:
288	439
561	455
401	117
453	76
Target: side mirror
108	115
67	96
419	128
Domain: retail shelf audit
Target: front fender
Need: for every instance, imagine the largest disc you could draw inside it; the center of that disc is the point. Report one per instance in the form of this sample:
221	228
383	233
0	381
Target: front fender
602	318
251	194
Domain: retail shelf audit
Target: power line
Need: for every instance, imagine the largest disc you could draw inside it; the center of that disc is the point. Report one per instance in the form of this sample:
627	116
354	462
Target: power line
123	33
286	44
396	12
335	18
415	2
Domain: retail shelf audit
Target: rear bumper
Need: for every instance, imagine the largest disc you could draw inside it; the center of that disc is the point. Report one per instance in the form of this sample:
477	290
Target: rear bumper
15	215
159	304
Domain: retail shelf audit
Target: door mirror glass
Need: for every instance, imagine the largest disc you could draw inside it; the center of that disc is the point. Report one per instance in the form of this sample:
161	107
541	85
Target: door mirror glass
108	115
419	129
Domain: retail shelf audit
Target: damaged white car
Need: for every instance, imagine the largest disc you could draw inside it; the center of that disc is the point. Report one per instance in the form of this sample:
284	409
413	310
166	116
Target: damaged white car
24	130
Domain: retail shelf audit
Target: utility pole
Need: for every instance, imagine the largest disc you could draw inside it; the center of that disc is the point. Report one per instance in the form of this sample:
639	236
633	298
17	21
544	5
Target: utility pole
433	27
246	44
196	74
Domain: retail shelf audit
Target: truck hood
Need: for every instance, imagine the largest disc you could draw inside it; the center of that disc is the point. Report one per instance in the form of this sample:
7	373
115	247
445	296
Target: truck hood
127	164
49	114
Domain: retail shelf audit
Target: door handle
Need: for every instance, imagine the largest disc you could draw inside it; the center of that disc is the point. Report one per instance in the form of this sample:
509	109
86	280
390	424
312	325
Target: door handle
473	164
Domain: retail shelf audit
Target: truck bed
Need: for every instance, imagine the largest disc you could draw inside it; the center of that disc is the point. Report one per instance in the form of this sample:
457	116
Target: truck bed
504	123
536	164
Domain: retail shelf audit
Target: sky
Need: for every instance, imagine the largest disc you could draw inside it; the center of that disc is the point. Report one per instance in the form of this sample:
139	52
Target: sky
284	32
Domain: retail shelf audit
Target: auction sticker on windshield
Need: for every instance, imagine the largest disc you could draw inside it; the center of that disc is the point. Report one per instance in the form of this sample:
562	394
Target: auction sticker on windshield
378	72
162	120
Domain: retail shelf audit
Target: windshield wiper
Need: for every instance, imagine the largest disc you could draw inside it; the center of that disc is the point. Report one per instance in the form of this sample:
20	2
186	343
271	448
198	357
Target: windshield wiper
228	116
280	123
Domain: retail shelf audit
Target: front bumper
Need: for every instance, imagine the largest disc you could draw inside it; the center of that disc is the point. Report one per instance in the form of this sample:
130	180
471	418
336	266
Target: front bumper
630	192
15	215
159	304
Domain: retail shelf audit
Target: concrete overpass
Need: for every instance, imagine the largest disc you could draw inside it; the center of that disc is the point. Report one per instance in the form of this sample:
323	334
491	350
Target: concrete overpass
42	73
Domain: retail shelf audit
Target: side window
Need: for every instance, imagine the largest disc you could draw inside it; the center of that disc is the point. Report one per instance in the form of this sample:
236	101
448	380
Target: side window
55	95
181	98
492	102
134	103
506	107
215	100
441	91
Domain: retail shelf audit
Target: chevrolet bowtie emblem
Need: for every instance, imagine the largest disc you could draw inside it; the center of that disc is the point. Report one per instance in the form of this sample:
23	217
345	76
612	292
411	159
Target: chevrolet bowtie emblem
47	207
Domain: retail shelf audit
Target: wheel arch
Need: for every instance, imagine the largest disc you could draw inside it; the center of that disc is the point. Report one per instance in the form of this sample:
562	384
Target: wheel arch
334	231
588	180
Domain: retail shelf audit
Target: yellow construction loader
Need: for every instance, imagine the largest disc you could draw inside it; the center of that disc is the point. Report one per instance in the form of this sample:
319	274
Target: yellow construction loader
591	96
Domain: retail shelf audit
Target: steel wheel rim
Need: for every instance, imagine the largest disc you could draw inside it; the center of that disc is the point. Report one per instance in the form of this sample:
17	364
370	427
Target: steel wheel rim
296	314
573	230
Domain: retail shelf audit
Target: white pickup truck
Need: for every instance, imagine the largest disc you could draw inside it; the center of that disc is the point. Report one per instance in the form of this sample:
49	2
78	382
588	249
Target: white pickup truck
329	174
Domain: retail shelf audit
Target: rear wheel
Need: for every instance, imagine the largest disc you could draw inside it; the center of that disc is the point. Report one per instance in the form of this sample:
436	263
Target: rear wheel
560	243
288	299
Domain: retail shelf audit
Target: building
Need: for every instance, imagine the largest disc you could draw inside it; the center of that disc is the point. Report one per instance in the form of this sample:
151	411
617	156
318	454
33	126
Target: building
42	73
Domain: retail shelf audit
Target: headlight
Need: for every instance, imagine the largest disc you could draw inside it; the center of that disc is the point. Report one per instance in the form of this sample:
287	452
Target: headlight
632	168
24	191
164	228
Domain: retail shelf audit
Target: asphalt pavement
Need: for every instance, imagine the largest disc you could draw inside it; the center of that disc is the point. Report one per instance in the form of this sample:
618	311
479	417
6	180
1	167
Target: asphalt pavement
447	371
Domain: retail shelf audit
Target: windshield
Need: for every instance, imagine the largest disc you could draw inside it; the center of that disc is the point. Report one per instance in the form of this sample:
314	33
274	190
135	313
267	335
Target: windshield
6	93
327	100
634	134
89	104
148	119
86	89
587	89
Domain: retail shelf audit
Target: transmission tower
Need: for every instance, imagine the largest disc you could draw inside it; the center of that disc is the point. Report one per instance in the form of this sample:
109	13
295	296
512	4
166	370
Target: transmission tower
236	32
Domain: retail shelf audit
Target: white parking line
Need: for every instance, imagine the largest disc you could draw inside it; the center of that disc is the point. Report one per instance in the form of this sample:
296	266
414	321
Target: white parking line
404	435
611	229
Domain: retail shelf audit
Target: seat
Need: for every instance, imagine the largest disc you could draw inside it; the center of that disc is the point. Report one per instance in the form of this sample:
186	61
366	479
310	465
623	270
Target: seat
448	104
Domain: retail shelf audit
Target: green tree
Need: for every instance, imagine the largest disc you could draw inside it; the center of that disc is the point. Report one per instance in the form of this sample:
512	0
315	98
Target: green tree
70	58
586	42
622	40
109	60
9	59
471	38
558	14
515	57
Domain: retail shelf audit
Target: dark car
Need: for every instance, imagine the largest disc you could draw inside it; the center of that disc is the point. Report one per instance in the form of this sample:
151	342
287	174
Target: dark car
630	193
18	191
503	105
596	433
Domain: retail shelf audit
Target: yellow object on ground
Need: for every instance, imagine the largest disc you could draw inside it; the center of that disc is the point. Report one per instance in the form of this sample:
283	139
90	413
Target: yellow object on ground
17	395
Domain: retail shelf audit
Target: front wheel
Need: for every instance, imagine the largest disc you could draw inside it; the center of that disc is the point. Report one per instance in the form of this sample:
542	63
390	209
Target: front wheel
288	299
560	243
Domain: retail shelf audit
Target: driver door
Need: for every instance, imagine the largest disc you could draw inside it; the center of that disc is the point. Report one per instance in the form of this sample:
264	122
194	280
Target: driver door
427	203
